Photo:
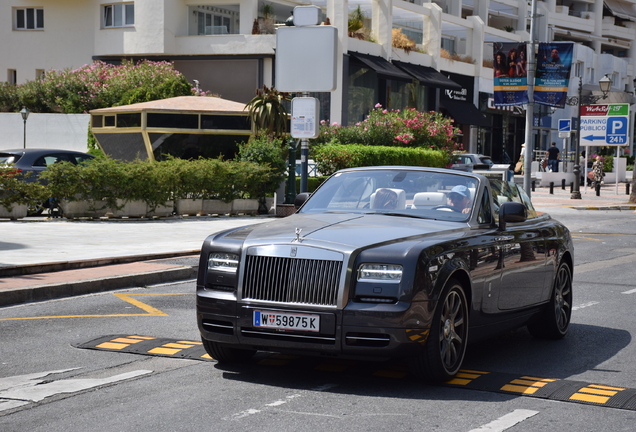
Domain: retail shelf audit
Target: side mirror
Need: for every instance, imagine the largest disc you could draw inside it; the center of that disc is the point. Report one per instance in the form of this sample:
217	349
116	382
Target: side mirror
300	199
511	212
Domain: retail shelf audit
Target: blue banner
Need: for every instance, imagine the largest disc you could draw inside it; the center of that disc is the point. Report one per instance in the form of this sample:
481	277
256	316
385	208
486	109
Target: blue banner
554	62
510	74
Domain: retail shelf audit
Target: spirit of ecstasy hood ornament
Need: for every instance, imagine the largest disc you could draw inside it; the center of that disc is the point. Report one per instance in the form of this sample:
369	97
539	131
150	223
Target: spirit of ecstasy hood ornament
298	238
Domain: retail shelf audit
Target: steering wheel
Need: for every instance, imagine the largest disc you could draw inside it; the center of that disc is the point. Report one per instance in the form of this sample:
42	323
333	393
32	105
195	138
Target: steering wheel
444	208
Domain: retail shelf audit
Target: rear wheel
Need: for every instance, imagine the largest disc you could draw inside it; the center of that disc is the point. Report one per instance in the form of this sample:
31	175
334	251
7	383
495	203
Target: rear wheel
227	354
446	345
554	322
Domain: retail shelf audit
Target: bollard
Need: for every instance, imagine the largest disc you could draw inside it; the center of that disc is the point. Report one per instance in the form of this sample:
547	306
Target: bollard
597	186
562	184
626	188
551	188
532	185
571	187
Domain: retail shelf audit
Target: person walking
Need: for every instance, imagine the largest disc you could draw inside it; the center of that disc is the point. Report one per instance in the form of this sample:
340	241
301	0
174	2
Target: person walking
597	173
553	158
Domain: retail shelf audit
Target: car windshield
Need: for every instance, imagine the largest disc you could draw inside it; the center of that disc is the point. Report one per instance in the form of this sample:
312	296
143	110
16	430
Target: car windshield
397	192
7	158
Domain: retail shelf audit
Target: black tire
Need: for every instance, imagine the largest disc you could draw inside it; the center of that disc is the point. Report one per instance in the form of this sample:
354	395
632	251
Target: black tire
445	348
227	354
554	322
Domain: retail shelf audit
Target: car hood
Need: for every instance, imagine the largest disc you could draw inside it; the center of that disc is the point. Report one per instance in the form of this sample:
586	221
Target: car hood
345	231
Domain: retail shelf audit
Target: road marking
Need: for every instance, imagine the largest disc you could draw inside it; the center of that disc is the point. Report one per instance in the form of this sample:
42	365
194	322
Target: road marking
252	411
507	421
584	305
604	264
127	297
630	291
31	388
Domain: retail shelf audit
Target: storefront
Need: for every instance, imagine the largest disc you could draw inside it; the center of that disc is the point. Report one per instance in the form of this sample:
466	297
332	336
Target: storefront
458	104
502	141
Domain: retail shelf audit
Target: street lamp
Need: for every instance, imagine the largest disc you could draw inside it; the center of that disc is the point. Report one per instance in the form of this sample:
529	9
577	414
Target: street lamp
605	85
25	115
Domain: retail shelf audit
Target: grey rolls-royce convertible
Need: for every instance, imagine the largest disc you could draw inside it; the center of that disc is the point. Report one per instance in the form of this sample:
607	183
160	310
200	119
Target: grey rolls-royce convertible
388	262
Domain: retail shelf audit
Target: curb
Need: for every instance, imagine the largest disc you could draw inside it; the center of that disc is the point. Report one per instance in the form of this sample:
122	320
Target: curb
89	286
27	269
612	207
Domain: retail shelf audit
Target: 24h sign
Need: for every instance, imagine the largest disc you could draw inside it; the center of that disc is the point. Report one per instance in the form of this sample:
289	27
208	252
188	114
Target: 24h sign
605	124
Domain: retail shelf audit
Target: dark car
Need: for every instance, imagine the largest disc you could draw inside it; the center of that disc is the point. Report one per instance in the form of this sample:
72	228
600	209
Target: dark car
388	262
31	162
471	162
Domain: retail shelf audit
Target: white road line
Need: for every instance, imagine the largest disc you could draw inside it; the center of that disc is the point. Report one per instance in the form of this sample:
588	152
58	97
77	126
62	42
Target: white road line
584	305
252	411
507	421
630	291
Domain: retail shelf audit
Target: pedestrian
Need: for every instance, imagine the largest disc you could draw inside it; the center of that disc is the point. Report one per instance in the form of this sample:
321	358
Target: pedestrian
597	172
553	158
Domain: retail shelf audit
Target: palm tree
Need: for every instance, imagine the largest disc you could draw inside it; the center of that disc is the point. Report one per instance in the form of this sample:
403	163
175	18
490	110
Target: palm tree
268	112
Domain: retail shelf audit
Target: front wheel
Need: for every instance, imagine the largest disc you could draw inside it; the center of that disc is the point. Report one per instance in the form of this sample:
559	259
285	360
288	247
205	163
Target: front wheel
554	322
227	354
446	345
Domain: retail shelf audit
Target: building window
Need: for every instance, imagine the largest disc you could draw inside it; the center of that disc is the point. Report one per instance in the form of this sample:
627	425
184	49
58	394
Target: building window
29	19
213	20
40	74
119	15
12	76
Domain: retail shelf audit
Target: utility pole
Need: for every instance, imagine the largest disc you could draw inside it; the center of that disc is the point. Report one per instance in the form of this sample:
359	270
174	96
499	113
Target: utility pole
527	179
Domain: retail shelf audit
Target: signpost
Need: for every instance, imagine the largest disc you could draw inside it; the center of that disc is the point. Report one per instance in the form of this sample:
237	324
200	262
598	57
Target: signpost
605	125
565	127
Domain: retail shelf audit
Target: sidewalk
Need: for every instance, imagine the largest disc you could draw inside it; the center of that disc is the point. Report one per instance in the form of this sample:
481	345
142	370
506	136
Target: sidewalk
42	259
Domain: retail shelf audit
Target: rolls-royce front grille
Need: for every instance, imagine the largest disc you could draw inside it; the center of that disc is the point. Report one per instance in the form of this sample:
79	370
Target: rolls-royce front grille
291	280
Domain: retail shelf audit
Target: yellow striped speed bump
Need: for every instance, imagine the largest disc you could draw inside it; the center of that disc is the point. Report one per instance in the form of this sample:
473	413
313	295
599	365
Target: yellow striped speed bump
149	345
547	388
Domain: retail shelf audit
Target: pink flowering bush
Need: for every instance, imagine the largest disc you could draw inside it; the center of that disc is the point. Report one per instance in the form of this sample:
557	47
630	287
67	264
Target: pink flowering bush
402	128
97	85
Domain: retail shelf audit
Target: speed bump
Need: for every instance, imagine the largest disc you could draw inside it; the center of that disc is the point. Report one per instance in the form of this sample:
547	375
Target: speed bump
547	388
149	345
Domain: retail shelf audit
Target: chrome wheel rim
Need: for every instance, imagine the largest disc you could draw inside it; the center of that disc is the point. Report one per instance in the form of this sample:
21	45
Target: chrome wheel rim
563	298
452	330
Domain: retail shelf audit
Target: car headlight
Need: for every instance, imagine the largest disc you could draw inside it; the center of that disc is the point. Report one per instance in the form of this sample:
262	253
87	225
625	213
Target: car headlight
219	261
380	273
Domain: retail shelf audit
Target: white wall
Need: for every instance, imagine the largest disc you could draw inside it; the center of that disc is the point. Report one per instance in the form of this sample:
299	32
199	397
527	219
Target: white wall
58	131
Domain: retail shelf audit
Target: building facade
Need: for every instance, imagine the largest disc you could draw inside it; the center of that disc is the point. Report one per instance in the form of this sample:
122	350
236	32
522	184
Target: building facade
228	46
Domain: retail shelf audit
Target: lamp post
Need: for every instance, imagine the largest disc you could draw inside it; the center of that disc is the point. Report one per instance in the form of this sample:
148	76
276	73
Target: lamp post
605	85
25	115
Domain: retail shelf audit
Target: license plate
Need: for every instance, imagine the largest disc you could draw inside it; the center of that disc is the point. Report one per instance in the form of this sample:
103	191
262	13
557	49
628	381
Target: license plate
286	321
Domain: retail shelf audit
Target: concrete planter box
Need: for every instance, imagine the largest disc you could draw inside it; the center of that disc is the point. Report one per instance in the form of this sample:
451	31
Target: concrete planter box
82	209
165	210
128	209
245	206
216	207
17	211
284	210
189	207
556	178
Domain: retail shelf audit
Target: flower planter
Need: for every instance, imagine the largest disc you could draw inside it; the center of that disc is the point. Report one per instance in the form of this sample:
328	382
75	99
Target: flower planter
132	209
283	210
82	209
219	207
165	210
244	206
189	207
17	211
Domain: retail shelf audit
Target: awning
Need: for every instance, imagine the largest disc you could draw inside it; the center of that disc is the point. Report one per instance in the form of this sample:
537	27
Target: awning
382	67
622	11
428	76
465	113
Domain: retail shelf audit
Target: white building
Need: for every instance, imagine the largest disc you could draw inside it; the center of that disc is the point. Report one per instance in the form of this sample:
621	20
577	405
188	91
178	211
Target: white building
212	41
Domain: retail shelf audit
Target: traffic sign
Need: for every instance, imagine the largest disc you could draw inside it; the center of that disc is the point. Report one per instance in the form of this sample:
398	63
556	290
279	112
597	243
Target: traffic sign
565	125
605	124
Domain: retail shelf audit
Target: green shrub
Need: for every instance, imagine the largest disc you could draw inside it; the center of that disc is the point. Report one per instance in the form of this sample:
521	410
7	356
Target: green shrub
312	182
331	158
269	152
14	190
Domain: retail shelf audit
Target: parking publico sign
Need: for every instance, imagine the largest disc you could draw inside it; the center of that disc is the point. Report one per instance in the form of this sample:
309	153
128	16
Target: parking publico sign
605	124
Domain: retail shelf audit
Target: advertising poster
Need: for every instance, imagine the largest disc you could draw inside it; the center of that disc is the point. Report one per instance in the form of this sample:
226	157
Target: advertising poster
510	74
554	61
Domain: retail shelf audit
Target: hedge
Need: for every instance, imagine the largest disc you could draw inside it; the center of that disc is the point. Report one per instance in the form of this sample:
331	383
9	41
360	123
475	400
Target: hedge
333	157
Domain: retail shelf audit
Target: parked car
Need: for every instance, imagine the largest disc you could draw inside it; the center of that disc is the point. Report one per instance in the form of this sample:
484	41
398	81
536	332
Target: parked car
471	161
388	262
31	162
